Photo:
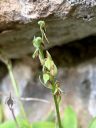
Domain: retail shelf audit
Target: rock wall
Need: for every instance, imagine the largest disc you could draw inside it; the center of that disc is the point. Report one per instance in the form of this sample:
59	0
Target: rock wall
66	20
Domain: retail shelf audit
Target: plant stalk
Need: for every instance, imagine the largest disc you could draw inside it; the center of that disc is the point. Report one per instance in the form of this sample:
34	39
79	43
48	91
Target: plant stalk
52	78
54	96
57	111
15	86
56	106
14	83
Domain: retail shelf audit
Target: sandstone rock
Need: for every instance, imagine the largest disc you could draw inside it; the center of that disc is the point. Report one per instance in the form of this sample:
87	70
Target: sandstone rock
66	20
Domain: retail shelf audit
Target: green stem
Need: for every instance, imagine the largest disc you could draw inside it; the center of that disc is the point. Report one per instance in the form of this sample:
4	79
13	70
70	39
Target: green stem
57	111
42	59
15	86
14	83
43	35
56	105
54	96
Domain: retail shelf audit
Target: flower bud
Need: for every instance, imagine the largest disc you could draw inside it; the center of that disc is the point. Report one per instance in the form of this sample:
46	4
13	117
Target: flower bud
41	23
37	42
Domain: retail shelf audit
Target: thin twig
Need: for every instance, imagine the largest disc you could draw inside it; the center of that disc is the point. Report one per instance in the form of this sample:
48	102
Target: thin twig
13	114
34	99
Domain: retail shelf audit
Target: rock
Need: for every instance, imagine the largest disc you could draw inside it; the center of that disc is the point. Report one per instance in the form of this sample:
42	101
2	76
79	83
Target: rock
66	20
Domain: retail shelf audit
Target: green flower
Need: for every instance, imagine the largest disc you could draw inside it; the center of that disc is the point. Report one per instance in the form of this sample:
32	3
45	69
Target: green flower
49	64
37	42
41	23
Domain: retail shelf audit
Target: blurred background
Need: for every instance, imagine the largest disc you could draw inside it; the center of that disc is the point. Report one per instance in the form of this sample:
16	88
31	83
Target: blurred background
71	30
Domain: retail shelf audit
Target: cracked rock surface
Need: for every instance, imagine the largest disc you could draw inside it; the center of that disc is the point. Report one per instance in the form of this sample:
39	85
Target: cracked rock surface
66	20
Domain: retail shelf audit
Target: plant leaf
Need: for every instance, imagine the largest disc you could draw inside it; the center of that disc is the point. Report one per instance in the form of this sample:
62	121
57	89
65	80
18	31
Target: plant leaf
93	123
8	124
70	118
12	124
43	125
1	113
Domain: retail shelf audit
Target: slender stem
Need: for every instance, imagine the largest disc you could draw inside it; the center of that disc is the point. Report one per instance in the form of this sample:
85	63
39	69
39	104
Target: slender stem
54	96
15	86
42	59
56	105
57	111
13	114
43	35
14	83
